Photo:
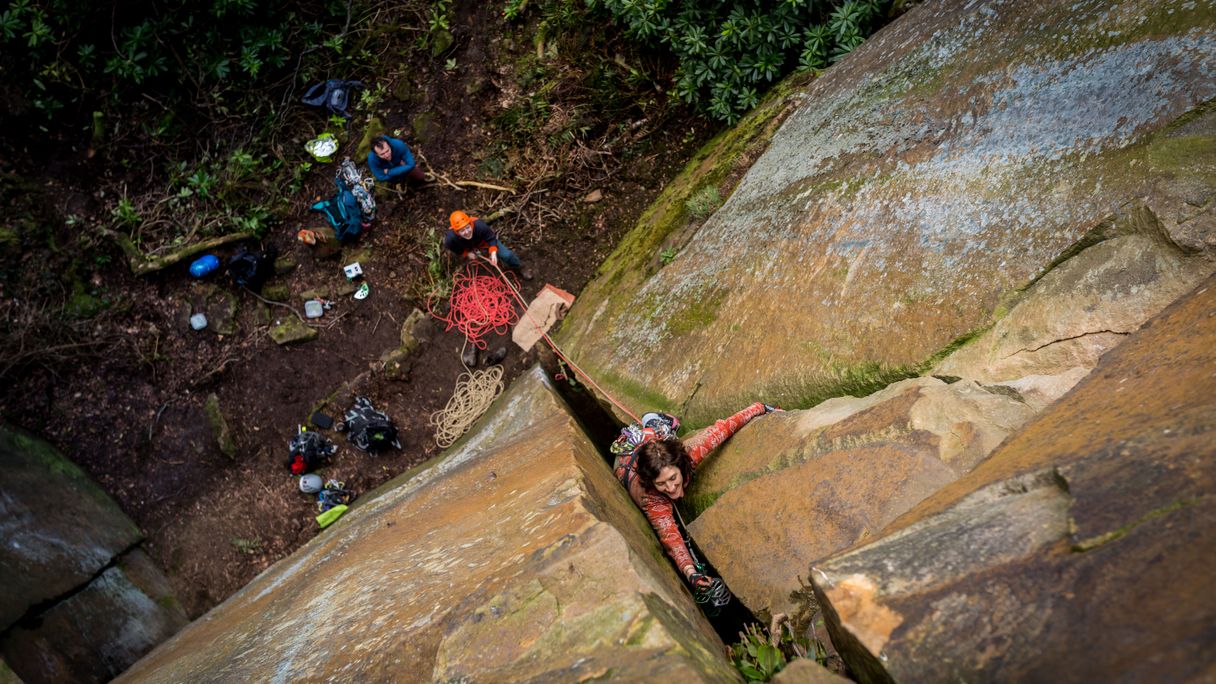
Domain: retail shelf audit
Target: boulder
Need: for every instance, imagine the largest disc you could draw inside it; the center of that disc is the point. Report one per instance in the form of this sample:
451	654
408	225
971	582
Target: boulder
925	178
807	671
218	304
219	425
1081	550
279	292
1120	275
409	330
59	528
798	486
290	330
99	631
516	556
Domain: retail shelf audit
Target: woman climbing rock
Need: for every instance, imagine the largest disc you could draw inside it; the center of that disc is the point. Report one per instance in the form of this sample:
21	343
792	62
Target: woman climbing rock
655	467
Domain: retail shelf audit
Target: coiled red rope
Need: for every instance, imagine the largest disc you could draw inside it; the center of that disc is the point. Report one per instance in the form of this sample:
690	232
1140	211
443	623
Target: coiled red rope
481	302
514	292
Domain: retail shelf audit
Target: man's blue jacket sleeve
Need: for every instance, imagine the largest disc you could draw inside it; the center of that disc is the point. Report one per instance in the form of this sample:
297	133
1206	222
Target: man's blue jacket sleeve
385	171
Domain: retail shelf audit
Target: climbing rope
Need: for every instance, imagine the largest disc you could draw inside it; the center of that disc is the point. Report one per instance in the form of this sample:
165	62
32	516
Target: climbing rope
480	303
553	345
475	391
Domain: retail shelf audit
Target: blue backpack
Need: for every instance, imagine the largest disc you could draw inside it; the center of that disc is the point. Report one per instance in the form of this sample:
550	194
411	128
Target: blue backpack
351	207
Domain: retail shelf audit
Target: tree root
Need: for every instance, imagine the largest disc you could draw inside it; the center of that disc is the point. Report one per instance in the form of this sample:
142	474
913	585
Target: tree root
142	264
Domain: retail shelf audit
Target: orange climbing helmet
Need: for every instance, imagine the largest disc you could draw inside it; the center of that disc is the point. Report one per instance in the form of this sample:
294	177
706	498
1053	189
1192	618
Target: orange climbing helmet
459	219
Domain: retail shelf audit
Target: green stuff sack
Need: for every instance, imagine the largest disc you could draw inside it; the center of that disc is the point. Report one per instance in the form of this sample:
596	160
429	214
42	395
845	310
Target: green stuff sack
328	517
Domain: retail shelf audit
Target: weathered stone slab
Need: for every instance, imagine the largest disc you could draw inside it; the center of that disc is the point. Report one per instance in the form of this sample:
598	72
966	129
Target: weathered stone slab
806	671
291	330
58	527
98	632
1126	271
515	557
1081	550
937	169
805	484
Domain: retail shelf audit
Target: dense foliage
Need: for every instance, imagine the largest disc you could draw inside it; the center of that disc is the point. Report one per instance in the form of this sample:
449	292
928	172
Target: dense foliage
730	52
75	56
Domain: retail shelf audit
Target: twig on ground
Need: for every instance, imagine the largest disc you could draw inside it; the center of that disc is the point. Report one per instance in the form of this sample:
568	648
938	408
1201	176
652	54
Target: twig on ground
282	304
336	319
156	419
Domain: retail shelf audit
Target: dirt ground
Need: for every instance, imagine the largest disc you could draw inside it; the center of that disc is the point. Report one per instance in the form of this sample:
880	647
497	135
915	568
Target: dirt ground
133	415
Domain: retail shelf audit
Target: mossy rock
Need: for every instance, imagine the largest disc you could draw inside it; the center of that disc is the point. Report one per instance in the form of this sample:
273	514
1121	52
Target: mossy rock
219	426
359	253
397	364
374	128
277	293
440	41
284	265
292	331
83	305
347	288
318	293
423	126
409	336
221	307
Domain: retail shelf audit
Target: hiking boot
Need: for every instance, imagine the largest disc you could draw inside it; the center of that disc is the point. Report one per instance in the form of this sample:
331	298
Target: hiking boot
495	357
469	357
525	273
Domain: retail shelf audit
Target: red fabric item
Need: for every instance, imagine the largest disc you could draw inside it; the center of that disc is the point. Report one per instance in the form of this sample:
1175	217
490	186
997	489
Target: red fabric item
659	509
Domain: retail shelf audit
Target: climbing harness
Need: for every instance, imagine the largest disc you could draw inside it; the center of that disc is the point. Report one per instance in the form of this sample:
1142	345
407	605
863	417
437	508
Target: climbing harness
653	426
480	303
475	391
333	494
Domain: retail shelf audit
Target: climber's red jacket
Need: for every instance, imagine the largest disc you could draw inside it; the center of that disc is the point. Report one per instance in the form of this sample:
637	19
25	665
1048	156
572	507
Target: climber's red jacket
659	509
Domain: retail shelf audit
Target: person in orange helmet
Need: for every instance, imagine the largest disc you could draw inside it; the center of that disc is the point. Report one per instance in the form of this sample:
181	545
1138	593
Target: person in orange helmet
469	236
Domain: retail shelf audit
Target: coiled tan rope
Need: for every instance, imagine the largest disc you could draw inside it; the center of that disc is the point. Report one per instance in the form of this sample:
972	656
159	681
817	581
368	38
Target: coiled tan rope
475	391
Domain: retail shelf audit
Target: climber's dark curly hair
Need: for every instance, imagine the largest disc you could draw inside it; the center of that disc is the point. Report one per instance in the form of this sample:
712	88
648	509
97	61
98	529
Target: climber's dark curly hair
656	455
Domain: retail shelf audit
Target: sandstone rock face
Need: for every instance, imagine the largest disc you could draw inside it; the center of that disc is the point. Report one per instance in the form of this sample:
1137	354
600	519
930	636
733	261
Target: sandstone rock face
801	485
59	528
517	557
1081	550
1126	271
99	631
941	166
79	601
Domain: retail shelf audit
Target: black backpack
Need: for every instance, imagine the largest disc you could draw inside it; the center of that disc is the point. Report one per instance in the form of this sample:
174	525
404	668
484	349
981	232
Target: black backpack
251	268
369	429
309	450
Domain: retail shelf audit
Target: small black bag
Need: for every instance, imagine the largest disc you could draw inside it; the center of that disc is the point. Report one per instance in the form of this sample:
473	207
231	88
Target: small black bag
250	268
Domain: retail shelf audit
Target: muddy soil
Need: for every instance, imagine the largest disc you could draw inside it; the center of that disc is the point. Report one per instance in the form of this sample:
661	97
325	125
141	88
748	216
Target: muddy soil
132	415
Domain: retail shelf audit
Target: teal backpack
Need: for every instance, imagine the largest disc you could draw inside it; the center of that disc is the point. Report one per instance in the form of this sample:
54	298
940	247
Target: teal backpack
352	207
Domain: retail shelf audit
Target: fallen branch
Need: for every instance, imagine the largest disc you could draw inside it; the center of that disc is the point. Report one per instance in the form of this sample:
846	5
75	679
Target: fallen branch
487	186
142	264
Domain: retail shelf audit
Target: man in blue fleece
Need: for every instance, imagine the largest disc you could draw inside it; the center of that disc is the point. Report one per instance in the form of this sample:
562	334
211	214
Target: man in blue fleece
391	161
